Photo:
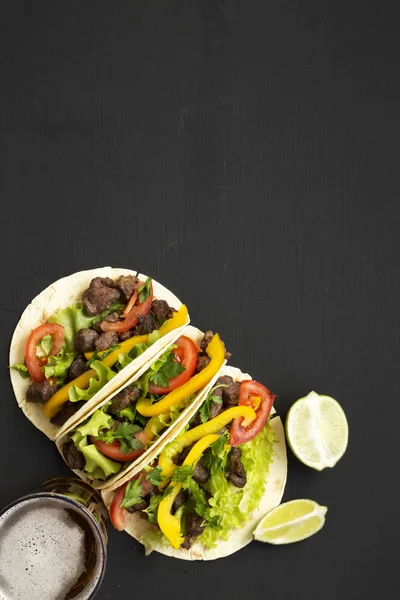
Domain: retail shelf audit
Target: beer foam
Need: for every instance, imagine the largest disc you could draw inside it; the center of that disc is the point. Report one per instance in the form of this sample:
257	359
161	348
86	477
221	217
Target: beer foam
42	552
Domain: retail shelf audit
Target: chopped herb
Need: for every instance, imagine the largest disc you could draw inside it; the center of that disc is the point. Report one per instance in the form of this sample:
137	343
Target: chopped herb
155	477
168	370
205	410
152	509
125	434
183	474
116	307
144	290
133	494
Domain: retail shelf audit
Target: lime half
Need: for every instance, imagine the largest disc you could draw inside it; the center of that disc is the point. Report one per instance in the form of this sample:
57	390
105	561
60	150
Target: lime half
317	431
291	522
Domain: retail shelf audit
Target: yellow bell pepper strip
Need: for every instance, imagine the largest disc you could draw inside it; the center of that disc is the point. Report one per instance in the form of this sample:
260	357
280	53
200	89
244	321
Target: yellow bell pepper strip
123	347
178	318
62	395
213	426
168	523
216	352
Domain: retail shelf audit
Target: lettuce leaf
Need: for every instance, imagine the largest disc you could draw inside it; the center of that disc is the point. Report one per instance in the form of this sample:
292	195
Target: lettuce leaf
97	465
58	366
22	369
104	375
232	507
125	358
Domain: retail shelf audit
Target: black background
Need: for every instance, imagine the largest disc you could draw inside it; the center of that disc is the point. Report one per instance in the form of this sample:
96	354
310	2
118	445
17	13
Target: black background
246	155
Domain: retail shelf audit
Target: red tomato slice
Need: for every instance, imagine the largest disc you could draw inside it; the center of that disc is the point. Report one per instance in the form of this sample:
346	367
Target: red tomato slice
132	318
130	304
120	516
186	354
113	450
249	391
35	363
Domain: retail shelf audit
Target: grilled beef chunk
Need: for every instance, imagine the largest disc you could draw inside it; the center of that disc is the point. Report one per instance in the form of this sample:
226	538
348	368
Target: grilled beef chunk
179	500
202	361
230	393
200	474
105	340
194	528
236	473
127	284
100	295
124	398
77	368
68	409
84	341
41	392
73	457
125	335
147	324
161	310
179	458
142	505
206	340
111	318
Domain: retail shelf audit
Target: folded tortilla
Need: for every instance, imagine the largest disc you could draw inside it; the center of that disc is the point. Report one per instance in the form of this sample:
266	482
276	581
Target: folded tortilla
57	296
196	335
275	485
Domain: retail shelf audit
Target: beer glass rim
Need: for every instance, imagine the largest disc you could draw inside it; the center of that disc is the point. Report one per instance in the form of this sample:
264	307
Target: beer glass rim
79	507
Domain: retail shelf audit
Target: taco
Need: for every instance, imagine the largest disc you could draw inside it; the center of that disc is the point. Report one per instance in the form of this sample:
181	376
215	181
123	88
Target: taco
83	337
221	471
125	427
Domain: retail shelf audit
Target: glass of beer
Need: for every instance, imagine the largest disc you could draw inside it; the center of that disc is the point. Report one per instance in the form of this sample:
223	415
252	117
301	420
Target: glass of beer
53	543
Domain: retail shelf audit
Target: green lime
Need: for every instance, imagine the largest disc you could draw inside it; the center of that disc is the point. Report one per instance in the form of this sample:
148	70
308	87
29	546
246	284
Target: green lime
291	522
317	431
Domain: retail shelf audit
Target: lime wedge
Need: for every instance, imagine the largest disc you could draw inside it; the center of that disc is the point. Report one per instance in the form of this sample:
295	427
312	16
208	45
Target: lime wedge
291	522
317	431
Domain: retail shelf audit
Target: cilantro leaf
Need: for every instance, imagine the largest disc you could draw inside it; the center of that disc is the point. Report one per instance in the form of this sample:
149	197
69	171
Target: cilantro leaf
125	434
168	370
152	509
144	290
183	474
216	457
116	307
22	369
202	507
155	477
205	409
133	494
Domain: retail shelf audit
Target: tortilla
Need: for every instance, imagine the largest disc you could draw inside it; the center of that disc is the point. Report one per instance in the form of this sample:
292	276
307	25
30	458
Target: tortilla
239	538
196	335
57	296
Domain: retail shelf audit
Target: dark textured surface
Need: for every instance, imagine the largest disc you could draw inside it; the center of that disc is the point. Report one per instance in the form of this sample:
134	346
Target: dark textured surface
246	155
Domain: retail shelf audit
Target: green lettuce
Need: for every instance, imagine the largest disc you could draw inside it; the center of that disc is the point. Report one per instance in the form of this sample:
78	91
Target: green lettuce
232	507
97	465
58	366
125	358
22	369
104	375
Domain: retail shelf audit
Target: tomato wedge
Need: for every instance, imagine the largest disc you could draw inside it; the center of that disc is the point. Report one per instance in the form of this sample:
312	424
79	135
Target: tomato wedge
251	393
113	450
186	354
35	363
132	317
130	304
120	516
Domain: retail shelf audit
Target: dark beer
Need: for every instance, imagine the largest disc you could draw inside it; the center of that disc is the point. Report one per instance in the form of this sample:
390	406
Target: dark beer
50	549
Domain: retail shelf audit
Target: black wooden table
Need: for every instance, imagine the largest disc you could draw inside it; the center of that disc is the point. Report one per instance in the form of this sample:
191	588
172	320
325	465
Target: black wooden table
246	155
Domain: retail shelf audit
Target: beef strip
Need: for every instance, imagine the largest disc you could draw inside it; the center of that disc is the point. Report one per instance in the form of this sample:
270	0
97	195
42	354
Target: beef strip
202	361
111	318
41	392
200	474
194	528
127	284
73	457
236	473
99	296
125	335
180	499
124	398
147	324
207	339
230	393
68	409
161	310
106	339
77	368
85	340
